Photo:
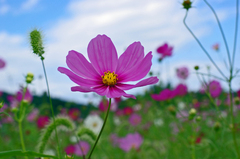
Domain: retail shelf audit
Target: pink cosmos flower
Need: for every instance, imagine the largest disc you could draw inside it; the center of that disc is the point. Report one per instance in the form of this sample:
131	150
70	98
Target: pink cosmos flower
215	88
42	121
166	94
33	115
106	74
74	113
114	139
127	110
70	150
82	148
28	95
165	50
2	63
131	141
238	93
180	90
215	47
103	105
135	119
182	73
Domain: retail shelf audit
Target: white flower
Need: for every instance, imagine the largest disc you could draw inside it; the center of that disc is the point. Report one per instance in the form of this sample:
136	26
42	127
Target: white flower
181	105
73	139
116	120
158	122
94	123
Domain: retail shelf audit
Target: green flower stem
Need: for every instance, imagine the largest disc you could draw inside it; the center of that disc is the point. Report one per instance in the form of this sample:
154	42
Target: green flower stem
193	140
204	50
21	137
105	120
220	27
235	35
233	121
50	100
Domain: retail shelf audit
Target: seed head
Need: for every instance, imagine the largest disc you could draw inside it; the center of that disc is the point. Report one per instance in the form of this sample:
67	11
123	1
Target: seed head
36	43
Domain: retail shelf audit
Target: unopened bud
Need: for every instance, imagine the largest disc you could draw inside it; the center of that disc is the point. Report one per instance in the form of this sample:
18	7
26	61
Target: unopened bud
1	105
187	4
192	113
217	126
198	118
14	110
172	110
29	78
196	68
236	100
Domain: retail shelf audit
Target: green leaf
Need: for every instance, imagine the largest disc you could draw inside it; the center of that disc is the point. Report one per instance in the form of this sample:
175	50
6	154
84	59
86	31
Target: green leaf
20	153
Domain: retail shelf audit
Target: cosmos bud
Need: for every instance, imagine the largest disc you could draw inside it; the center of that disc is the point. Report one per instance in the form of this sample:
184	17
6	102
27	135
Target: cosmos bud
187	4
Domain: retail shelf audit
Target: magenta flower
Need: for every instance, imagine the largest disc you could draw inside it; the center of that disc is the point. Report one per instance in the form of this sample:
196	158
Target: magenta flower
74	113
114	139
180	90
28	95
182	73
103	105
215	88
2	63
82	148
127	110
33	115
165	50
70	150
131	141
216	47
106	74
135	119
42	121
166	94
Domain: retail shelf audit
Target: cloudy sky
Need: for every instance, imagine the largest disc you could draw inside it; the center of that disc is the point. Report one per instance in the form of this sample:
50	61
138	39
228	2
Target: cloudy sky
70	25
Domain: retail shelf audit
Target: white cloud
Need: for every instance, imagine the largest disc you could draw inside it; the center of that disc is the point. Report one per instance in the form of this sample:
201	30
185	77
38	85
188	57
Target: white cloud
29	4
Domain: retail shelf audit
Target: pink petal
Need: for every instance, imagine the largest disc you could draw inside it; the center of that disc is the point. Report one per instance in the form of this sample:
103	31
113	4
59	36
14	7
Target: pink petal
79	80
130	58
79	65
115	92
102	54
137	72
81	89
148	81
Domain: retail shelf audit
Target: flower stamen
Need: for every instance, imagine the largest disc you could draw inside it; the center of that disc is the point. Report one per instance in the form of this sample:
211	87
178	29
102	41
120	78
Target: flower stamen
109	78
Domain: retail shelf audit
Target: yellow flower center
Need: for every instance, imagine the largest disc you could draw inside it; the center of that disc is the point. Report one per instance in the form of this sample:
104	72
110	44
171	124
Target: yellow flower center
109	78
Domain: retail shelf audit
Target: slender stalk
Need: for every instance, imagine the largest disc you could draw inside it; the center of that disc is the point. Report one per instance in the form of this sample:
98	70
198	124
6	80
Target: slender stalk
193	140
21	137
204	50
224	38
205	74
50	100
235	35
105	120
233	120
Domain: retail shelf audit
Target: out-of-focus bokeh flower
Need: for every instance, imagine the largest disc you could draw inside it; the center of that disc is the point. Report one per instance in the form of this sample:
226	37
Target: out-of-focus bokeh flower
131	141
74	113
165	50
82	148
42	121
215	88
182	72
165	94
180	90
94	123
2	63
135	119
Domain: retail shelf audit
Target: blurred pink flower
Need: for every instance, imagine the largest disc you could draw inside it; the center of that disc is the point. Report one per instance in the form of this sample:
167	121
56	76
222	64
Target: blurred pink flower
114	139
238	93
70	150
28	95
182	73
7	119
165	94
74	113
33	115
127	110
2	63
82	148
42	121
106	74
103	105
131	141
165	50
180	90
135	119
216	47
215	88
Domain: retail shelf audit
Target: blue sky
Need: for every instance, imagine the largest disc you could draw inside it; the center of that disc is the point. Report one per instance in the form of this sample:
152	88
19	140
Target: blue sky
70	25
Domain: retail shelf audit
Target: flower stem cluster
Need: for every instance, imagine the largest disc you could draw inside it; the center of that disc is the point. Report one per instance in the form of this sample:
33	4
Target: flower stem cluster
187	4
29	78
